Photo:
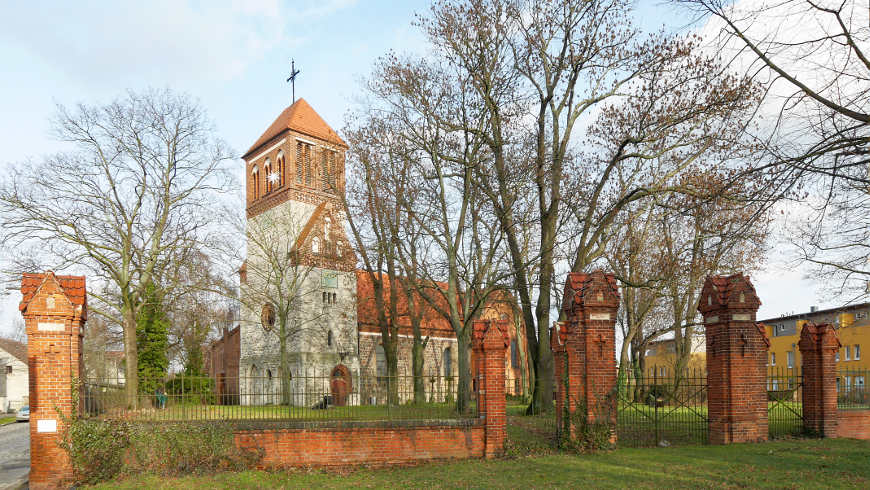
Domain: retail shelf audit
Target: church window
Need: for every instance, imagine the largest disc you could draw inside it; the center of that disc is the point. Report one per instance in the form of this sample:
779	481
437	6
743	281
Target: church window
299	157
380	361
267	171
327	163
323	298
447	361
267	317
515	358
329	339
255	177
315	245
279	167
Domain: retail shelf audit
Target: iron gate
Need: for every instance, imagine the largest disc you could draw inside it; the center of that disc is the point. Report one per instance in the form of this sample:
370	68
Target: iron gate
661	407
784	405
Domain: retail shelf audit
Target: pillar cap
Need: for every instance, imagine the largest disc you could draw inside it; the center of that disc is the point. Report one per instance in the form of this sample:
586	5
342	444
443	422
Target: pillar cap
490	334
818	337
590	290
71	287
728	292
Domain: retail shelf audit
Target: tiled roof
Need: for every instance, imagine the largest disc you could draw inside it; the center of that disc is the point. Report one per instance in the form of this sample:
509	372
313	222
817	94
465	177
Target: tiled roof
302	118
432	322
73	287
14	348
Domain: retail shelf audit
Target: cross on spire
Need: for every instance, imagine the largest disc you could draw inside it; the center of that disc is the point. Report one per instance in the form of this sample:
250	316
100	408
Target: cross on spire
292	79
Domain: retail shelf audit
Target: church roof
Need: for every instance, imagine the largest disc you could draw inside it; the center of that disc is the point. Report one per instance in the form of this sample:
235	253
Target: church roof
431	322
302	118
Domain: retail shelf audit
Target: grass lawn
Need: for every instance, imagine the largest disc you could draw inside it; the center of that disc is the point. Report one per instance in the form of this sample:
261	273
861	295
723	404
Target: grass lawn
806	463
282	412
7	420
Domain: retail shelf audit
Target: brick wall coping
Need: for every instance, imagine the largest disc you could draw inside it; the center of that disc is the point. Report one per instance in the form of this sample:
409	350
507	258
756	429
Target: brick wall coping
328	425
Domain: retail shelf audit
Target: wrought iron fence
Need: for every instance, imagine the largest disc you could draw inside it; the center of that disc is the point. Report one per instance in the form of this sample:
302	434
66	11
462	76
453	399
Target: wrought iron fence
784	402
528	434
310	397
661	407
852	392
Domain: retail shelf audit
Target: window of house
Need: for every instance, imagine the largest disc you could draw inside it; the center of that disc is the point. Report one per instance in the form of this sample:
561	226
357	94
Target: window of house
859	382
8	369
515	358
848	382
650	352
837	356
773	358
857	352
790	359
848	352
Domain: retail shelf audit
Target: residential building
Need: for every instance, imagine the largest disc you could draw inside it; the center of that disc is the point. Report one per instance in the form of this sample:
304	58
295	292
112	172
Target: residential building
660	357
14	376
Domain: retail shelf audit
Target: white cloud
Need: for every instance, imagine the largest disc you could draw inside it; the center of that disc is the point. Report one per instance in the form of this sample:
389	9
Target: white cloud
156	42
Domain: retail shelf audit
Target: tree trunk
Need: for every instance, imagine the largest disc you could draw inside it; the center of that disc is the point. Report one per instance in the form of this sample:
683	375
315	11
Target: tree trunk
417	367
463	395
285	366
392	358
131	368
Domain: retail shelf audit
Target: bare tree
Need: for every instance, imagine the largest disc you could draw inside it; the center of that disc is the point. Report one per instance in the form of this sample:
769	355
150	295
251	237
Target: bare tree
133	191
811	57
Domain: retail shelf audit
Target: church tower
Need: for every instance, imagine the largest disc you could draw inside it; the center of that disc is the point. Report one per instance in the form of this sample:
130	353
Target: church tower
298	286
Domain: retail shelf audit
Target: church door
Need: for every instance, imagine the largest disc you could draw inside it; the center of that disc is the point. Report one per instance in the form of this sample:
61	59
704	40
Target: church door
340	385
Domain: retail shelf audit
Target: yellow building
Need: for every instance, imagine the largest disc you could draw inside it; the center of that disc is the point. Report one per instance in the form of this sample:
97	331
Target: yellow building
660	357
853	326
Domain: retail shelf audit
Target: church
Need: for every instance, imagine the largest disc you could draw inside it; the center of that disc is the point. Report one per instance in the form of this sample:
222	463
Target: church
301	293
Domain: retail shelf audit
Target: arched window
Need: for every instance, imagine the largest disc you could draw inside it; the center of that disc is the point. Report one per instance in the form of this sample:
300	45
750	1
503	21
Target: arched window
279	167
255	177
315	245
447	362
380	361
329	339
267	174
324	168
300	150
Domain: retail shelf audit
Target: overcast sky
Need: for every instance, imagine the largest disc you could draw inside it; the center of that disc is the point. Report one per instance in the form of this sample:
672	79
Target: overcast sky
234	57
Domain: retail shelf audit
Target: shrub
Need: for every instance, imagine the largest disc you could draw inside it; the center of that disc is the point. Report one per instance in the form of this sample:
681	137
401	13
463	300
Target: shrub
657	395
197	390
104	449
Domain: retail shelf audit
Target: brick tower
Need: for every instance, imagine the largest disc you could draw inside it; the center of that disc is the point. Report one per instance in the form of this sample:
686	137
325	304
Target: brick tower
300	265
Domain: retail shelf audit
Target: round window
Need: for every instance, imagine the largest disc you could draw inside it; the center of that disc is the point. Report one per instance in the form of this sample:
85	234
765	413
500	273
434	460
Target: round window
267	317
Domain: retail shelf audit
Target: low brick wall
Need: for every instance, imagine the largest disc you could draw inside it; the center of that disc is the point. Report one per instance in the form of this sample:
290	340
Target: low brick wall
365	442
854	424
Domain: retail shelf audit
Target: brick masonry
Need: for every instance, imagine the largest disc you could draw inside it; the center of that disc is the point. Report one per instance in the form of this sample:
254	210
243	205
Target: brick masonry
854	424
818	346
584	349
365	445
54	310
736	361
401	442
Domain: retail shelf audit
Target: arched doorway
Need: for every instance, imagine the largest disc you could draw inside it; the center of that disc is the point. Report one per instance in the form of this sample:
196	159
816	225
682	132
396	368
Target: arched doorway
341	385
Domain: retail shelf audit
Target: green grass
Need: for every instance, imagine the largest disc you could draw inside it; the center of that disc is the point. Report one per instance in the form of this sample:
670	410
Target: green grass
282	412
7	420
807	463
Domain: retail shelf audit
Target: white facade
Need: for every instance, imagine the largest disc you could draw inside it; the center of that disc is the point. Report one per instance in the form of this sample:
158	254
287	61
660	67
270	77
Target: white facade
14	382
321	329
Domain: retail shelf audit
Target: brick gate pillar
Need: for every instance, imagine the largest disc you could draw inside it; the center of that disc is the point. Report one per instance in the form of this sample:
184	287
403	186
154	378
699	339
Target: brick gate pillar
54	310
585	350
736	361
818	346
490	345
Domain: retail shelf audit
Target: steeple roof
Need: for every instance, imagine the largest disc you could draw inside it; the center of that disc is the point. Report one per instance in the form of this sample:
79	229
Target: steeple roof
302	118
